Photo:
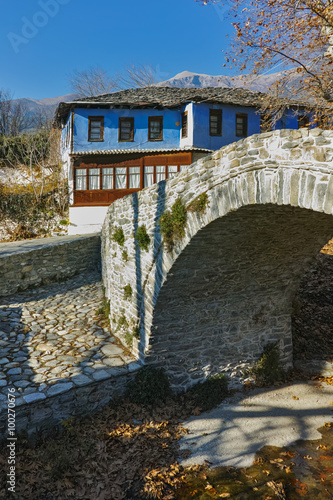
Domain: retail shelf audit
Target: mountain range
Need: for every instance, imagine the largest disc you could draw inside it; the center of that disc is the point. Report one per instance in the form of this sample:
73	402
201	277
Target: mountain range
45	107
185	79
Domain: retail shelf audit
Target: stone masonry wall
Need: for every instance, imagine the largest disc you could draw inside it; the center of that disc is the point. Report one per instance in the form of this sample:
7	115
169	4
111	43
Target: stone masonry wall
31	263
227	288
43	417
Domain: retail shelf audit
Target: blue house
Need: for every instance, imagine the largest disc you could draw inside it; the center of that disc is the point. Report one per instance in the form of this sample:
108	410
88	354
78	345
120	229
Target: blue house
116	144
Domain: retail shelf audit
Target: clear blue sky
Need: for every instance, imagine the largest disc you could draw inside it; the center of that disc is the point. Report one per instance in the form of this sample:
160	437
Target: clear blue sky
43	41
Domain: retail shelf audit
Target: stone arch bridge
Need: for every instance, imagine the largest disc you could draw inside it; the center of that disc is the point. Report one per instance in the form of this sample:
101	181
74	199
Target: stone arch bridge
227	288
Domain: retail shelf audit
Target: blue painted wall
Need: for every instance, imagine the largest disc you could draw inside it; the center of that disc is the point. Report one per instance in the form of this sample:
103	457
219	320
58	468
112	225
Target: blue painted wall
171	129
288	120
201	125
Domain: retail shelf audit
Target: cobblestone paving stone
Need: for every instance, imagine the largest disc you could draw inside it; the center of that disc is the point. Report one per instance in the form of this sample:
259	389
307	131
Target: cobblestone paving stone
52	340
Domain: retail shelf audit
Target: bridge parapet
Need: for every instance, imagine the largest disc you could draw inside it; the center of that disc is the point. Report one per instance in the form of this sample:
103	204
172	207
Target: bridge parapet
226	289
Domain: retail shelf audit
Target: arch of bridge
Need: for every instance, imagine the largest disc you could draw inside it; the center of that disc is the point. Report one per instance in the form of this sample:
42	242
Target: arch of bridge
226	289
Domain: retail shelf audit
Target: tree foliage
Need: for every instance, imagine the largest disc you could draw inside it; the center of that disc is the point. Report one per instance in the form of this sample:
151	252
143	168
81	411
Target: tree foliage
296	35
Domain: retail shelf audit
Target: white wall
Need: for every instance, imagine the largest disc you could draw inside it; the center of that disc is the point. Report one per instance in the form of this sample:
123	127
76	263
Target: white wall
85	220
188	141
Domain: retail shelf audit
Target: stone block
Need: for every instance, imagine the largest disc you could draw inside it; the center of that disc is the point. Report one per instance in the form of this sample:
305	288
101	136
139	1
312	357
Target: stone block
59	388
33	397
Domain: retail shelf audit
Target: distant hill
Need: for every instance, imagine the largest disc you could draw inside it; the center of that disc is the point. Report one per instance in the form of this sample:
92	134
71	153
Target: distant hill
50	103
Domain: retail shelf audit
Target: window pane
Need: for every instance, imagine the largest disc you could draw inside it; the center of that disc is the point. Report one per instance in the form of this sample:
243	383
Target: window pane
120	181
126	129
184	124
160	173
172	171
95	129
134	177
94	178
134	181
215	122
241	125
148	176
80	178
107	178
121	170
95	135
182	167
155	129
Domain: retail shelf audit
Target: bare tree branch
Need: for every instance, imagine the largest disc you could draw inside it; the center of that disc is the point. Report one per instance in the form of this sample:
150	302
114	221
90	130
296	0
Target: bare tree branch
143	75
91	82
96	81
14	116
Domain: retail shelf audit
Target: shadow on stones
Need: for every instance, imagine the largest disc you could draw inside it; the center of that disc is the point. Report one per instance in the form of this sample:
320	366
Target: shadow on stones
312	319
20	363
157	259
51	289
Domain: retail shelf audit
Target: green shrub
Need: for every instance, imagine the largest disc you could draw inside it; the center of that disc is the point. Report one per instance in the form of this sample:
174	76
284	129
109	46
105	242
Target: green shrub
210	393
267	369
17	149
118	236
125	255
199	204
172	224
149	386
142	238
127	292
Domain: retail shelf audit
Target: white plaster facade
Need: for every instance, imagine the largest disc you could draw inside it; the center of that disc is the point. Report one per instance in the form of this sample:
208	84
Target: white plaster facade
85	220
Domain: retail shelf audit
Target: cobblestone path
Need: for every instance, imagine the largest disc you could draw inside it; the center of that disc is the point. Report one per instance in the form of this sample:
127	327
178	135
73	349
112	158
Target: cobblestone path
51	339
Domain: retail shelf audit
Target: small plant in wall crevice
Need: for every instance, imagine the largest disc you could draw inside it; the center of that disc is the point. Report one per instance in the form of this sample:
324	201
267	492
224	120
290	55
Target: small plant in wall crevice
122	322
104	309
136	332
128	292
199	204
131	335
118	236
172	224
142	238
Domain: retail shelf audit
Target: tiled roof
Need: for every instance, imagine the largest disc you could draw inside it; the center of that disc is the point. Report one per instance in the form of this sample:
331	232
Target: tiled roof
171	96
127	151
164	97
